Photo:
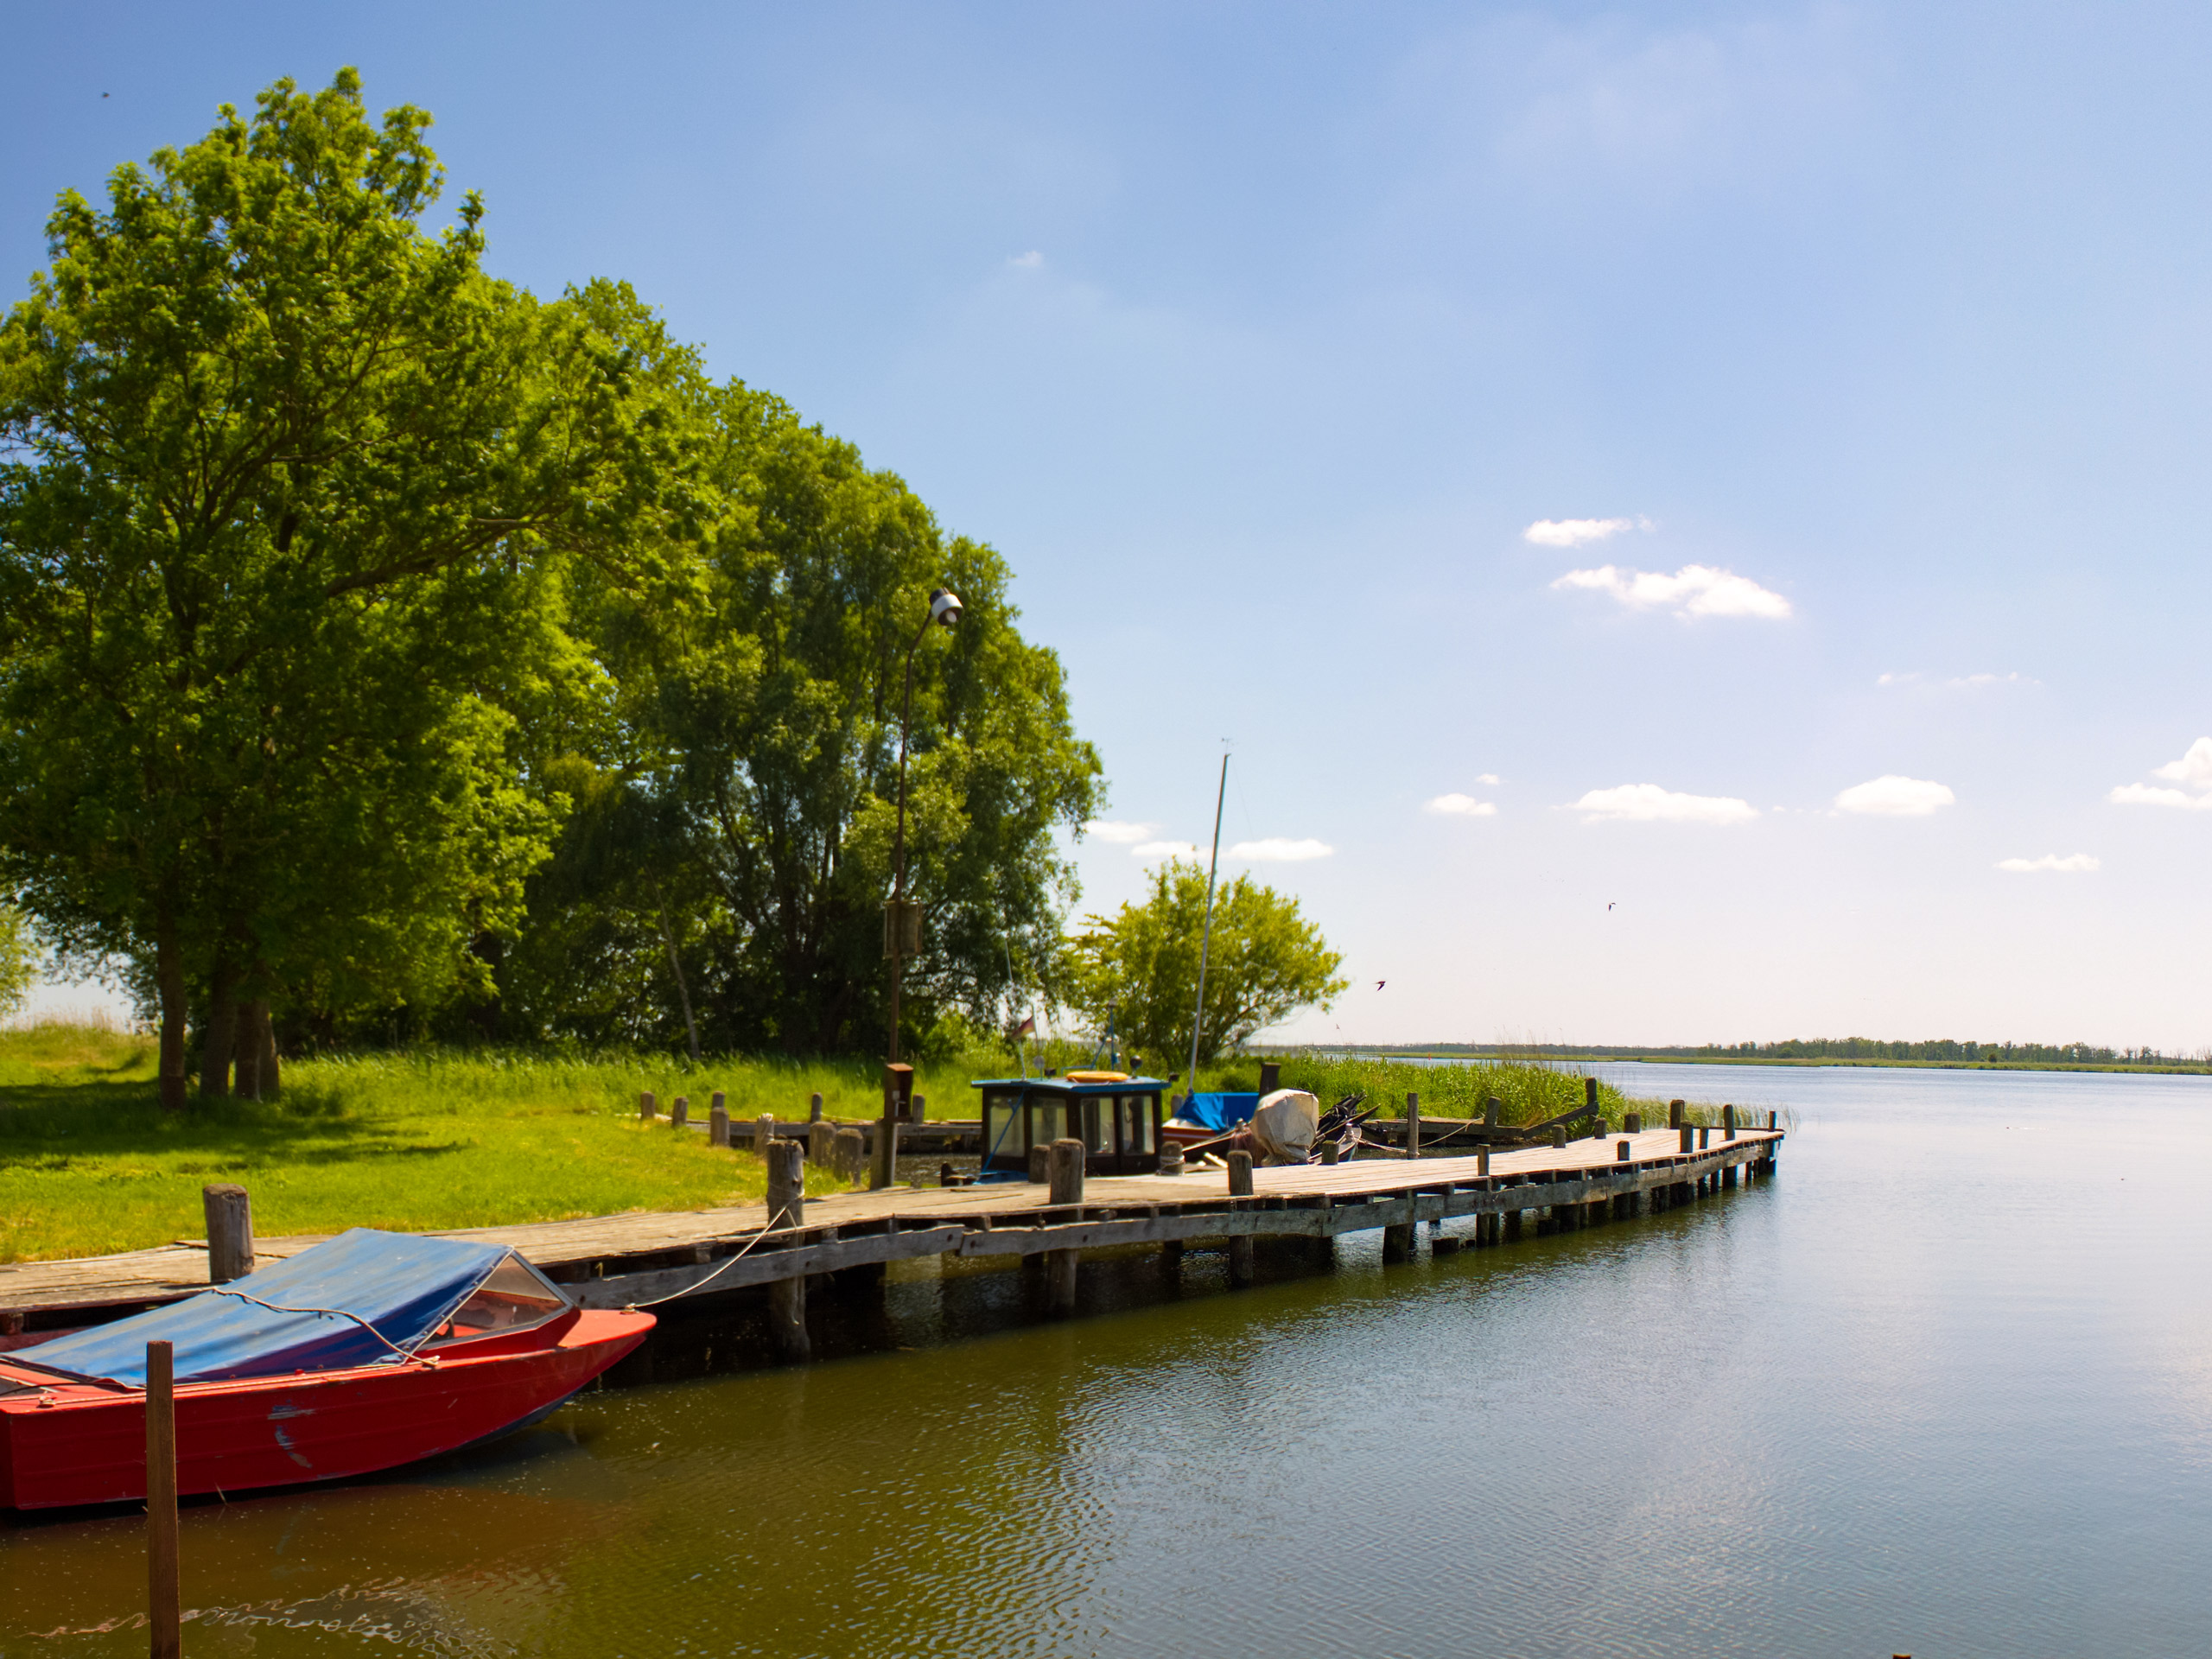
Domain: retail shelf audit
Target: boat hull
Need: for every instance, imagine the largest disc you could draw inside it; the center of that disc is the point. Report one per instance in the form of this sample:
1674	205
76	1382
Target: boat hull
75	1444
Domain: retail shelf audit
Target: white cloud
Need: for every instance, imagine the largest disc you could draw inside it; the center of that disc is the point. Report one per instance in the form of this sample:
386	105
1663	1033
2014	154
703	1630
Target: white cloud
1957	682
2080	863
1464	806
1487	777
1893	797
1693	590
1120	834
1165	849
1277	849
1573	533
1649	804
2194	769
1031	260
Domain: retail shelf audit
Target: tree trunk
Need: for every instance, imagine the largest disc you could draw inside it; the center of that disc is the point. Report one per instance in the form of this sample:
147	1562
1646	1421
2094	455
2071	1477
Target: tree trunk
169	982
220	1041
256	1080
674	967
270	1069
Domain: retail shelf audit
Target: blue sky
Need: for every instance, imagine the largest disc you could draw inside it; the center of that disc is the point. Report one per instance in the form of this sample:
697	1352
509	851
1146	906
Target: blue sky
1259	339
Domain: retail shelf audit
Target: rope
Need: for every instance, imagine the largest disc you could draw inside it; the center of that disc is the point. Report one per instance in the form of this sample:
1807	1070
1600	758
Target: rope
728	1263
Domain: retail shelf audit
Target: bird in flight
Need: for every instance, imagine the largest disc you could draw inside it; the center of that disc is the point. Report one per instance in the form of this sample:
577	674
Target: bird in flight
1380	983
1610	906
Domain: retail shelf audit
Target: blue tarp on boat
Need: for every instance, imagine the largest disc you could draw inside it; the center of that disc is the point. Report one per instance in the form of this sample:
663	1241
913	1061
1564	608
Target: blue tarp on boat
404	1285
1220	1112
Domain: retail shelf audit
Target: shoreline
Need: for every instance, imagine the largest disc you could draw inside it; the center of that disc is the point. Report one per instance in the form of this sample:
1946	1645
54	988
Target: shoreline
1646	1057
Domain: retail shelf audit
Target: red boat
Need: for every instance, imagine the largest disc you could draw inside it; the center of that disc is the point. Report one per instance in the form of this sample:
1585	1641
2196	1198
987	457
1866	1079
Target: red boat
365	1352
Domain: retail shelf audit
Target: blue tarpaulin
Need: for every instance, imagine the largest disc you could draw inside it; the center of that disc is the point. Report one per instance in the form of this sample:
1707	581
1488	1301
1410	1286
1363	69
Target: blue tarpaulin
405	1285
1221	1112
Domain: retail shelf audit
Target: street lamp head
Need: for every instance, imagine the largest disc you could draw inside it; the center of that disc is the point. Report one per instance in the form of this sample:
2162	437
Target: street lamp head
945	606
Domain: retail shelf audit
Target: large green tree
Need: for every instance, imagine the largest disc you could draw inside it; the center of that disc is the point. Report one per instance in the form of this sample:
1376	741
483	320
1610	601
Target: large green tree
740	873
288	535
1264	963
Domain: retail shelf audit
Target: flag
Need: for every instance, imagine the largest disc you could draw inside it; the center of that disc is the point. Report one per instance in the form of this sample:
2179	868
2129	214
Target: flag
1026	1028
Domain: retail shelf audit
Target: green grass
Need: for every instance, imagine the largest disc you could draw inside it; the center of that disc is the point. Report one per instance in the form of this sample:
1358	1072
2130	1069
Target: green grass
89	1163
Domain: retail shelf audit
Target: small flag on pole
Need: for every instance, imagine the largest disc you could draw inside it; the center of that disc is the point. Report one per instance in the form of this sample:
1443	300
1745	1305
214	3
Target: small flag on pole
1026	1028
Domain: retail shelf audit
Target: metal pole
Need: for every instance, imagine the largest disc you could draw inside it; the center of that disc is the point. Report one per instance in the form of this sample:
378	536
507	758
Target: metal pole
164	1616
898	846
1205	936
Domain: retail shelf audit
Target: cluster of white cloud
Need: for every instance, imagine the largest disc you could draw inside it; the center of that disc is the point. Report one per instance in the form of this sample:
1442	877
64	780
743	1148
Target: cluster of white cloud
1894	796
1120	834
1279	849
1956	681
2078	864
1461	806
1649	804
1573	532
1693	590
2193	772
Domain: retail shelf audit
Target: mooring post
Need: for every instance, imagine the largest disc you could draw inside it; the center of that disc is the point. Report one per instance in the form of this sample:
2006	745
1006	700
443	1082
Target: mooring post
1331	1151
230	1231
1620	1152
718	1123
1689	1135
1728	1123
921	1109
1704	1137
718	1101
1413	1126
1674	1113
1041	1165
1589	1096
814	1108
679	1112
1171	1157
1774	1120
1066	1189
1559	1137
1492	1107
1270	1078
787	1208
821	1141
898	1091
764	1131
1240	1244
164	1607
644	1106
848	1157
1482	1160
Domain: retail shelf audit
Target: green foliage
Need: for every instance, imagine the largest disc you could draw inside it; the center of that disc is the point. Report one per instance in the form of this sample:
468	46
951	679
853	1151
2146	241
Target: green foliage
1265	962
19	958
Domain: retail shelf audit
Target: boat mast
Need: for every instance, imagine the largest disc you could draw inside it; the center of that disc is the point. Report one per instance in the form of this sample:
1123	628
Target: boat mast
1205	934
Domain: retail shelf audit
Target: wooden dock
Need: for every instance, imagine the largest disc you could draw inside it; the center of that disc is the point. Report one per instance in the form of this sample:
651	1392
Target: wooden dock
618	1261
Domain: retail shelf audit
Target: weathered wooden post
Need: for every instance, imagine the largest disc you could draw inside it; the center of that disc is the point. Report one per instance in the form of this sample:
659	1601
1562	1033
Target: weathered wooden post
679	1112
1492	1107
230	1231
814	1108
644	1106
1728	1123
1240	1244
1331	1151
1413	1126
849	1157
787	1208
1482	1161
1774	1120
1559	1137
717	1102
1270	1078
1632	1123
1674	1113
164	1608
1704	1137
1040	1166
718	1123
764	1131
921	1109
1066	1189
821	1141
1171	1157
1689	1135
1590	1095
897	1090
1620	1152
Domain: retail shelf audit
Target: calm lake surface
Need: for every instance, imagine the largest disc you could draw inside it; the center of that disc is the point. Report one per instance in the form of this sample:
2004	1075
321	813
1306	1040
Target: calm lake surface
1943	1387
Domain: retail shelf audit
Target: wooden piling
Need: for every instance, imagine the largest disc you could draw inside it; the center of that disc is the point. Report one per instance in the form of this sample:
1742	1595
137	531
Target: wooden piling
644	1106
1040	1166
814	1108
1688	1135
1331	1152
821	1141
1514	1224
679	1112
1590	1094
787	1208
1482	1161
1728	1123
1413	1126
764	1131
1632	1123
1067	1189
164	1606
1270	1078
1171	1157
848	1157
1492	1107
1674	1113
230	1231
1240	1247
718	1124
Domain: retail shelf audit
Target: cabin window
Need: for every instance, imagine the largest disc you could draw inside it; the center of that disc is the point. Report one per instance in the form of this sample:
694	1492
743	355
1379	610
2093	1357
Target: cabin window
515	1297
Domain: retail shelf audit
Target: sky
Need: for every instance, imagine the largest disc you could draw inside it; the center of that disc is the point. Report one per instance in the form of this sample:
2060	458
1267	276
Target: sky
1688	521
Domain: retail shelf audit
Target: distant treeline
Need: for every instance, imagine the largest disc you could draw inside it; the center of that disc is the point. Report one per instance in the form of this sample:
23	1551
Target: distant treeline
1944	1051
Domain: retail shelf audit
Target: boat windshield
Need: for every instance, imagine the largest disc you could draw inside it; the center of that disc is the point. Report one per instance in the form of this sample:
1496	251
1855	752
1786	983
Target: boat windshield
515	1297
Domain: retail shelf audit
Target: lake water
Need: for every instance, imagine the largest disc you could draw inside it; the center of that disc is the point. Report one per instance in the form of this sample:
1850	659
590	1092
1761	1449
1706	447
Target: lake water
1943	1387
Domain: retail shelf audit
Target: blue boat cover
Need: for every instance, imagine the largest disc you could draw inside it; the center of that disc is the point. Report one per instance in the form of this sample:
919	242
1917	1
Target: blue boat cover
1220	1112
405	1285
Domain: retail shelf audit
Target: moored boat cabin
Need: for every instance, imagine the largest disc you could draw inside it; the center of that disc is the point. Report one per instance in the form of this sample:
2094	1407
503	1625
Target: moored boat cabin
1115	1116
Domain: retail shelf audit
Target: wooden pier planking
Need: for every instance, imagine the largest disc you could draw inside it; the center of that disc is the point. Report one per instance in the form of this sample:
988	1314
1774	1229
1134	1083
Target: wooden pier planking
615	1260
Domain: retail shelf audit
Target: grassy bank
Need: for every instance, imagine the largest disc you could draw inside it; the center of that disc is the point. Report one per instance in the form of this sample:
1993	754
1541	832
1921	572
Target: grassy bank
89	1163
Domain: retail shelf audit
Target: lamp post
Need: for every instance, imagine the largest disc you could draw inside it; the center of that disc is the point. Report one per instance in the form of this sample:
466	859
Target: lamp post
902	921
